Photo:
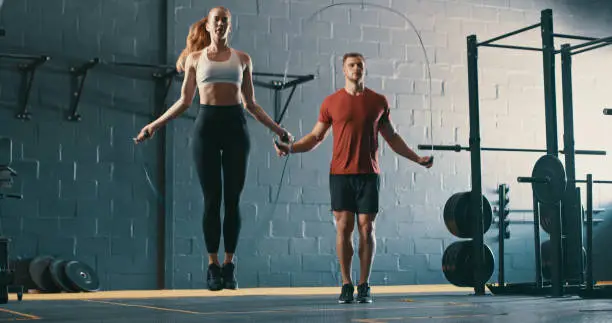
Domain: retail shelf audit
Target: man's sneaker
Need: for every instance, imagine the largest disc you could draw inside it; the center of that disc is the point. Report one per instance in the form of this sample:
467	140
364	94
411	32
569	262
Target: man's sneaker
363	293
229	279
346	296
213	278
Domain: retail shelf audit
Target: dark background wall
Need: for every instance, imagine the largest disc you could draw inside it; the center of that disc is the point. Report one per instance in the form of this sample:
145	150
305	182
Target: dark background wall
86	194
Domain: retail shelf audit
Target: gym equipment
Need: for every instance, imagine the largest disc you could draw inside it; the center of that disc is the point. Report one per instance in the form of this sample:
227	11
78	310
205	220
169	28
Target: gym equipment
607	112
27	71
546	250
591	290
49	274
279	86
549	173
458	264
459	148
39	271
548	55
57	269
503	233
7	274
81	277
458	216
77	80
548	179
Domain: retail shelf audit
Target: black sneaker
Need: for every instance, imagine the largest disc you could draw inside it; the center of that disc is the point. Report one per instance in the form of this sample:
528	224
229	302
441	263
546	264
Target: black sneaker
214	278
229	279
346	296
363	293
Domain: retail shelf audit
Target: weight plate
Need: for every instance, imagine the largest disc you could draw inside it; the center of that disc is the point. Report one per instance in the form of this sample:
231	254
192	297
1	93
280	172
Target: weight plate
546	253
459	216
451	210
58	274
547	212
39	271
551	168
458	264
81	276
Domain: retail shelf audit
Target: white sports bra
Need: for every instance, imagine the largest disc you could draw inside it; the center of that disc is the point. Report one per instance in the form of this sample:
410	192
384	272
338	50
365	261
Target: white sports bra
228	71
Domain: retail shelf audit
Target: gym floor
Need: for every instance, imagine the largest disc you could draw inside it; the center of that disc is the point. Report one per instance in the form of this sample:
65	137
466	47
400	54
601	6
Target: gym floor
431	303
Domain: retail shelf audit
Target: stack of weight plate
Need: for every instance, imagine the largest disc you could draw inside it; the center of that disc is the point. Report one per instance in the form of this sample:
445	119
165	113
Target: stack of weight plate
48	274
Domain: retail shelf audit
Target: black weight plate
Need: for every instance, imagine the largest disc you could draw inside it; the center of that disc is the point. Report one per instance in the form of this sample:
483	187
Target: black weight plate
39	271
58	274
458	264
547	212
550	167
451	210
459	216
81	276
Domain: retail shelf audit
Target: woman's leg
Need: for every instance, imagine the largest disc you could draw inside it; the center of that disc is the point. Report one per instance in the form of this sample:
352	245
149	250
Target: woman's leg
207	157
235	163
208	165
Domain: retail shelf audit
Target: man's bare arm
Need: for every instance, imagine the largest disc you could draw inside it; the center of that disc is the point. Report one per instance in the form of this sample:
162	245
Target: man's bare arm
396	143
306	143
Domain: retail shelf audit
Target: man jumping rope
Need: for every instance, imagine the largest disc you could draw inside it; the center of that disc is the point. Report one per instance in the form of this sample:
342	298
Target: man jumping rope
356	115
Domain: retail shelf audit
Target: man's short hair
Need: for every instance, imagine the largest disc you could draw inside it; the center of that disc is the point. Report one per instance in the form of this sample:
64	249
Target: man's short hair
352	54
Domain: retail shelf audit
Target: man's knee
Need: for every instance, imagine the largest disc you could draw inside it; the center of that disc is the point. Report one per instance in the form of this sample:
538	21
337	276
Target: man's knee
366	225
345	222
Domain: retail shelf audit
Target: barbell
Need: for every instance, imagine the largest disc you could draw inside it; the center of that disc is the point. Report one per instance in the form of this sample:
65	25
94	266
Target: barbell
458	148
548	179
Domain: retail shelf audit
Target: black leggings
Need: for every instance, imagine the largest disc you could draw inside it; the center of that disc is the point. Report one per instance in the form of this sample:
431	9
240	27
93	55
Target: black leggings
221	141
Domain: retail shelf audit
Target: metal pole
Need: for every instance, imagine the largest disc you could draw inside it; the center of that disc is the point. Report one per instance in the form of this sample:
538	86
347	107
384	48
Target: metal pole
557	255
548	55
502	228
512	33
589	228
166	153
476	193
572	221
536	235
277	103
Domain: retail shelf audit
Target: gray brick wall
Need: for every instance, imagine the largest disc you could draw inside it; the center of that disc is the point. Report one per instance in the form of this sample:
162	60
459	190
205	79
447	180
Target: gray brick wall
86	195
85	192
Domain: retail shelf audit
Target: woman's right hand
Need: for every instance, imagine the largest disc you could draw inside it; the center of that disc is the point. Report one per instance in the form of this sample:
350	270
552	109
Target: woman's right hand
146	133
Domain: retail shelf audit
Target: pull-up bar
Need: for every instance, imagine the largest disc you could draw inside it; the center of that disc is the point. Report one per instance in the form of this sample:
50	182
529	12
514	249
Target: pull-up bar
594	44
512	33
591	41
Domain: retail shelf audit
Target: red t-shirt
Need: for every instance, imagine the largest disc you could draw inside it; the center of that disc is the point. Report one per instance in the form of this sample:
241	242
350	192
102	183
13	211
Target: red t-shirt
355	121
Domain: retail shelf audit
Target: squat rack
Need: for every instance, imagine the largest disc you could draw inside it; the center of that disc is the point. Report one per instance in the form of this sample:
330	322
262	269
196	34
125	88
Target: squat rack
569	221
570	202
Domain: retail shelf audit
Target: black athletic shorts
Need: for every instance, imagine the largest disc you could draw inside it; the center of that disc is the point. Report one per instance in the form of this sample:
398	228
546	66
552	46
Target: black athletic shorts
357	193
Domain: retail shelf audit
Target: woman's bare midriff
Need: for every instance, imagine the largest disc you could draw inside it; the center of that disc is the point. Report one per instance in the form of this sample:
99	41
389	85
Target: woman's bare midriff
220	94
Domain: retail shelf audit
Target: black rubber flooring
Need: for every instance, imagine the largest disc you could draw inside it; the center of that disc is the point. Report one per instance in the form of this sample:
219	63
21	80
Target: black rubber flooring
385	308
